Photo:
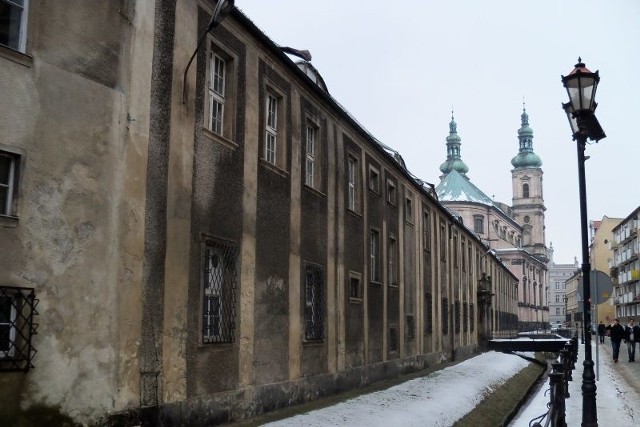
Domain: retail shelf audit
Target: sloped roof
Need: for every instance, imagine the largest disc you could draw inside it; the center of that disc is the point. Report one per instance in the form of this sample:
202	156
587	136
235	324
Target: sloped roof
454	187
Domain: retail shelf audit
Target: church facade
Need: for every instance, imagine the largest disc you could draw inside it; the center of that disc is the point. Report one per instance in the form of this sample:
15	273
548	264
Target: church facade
514	233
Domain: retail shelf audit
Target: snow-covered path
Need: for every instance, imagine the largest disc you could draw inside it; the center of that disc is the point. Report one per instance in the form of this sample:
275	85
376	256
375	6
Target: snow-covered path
445	396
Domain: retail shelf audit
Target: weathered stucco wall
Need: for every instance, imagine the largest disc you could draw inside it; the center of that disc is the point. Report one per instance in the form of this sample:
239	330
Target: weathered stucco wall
77	239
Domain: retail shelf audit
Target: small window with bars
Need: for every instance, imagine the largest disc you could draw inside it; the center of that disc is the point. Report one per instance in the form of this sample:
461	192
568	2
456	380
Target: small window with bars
17	328
314	303
428	312
393	338
472	317
411	327
445	316
465	317
219	293
457	317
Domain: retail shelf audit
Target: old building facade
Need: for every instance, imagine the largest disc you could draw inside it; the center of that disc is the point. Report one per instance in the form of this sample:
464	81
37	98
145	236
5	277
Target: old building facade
515	234
207	249
625	267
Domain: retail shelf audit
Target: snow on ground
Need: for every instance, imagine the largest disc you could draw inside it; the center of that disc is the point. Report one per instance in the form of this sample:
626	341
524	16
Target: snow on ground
438	399
445	396
617	400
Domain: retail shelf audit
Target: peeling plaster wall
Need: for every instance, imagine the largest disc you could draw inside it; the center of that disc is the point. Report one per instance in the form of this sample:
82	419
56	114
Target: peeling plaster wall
77	236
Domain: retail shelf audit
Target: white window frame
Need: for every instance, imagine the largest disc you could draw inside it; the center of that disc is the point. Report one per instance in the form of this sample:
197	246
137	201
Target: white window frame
352	182
12	329
7	202
22	33
217	89
392	193
271	129
312	132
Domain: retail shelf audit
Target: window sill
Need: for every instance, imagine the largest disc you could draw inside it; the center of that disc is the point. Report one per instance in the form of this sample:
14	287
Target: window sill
353	300
354	213
315	192
8	221
274	168
313	343
375	282
16	56
214	137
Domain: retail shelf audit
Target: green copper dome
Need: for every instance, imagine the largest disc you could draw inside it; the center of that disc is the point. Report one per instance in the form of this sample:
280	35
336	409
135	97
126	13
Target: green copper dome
526	158
454	162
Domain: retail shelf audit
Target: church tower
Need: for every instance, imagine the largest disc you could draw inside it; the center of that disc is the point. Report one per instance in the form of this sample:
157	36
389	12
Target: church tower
528	202
454	161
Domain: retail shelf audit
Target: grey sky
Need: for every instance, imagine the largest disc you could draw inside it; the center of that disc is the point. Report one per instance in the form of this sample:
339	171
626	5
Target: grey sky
399	66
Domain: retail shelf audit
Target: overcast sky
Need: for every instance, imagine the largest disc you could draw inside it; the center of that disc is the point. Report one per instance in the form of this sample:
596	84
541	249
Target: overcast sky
399	66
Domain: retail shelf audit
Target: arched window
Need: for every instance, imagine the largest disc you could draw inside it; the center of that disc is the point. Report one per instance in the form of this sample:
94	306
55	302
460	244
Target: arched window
525	190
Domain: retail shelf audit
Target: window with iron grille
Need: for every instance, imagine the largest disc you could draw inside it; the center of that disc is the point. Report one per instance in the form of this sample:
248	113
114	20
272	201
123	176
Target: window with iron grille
17	327
219	296
472	317
428	312
314	303
465	319
457	317
445	316
411	327
393	338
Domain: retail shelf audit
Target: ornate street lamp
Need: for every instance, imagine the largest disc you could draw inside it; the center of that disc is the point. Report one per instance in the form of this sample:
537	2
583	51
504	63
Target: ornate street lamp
581	85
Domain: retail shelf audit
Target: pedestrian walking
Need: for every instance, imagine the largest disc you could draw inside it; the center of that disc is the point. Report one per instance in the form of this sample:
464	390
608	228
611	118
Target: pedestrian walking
616	333
601	331
631	335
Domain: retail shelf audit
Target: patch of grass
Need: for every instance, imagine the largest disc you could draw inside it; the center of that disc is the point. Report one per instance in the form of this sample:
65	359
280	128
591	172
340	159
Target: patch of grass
499	407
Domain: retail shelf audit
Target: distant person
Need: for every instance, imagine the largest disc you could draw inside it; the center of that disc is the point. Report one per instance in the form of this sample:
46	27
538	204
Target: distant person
631	336
616	332
601	331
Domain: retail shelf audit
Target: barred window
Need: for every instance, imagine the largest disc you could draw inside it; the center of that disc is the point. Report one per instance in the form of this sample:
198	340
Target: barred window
457	317
465	318
393	338
17	327
219	296
314	303
472	317
411	327
428	312
445	316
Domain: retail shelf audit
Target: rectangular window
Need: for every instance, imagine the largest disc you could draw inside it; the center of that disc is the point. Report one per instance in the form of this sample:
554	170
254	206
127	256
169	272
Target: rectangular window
393	338
374	256
17	311
374	180
9	165
443	241
391	192
392	264
463	255
455	251
465	318
478	224
355	288
457	318
271	135
428	312
309	176
445	316
472	318
217	83
219	293
352	183
411	327
408	209
314	303
426	231
13	23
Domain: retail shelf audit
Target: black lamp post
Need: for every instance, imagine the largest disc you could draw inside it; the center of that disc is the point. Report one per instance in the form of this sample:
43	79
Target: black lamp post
581	85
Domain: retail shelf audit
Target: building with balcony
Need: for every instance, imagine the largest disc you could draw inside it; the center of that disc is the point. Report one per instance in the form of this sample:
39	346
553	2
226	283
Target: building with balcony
625	267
